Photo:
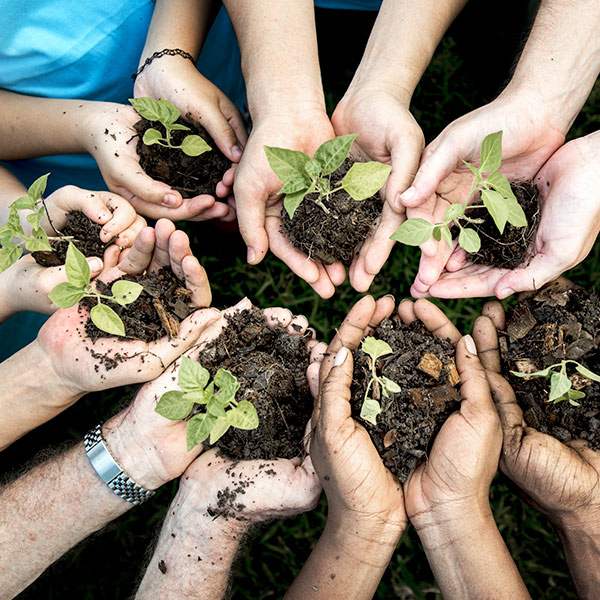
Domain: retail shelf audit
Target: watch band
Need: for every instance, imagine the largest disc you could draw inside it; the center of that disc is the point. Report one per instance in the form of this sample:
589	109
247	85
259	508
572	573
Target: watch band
109	471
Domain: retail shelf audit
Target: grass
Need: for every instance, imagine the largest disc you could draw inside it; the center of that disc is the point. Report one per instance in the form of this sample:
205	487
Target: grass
108	565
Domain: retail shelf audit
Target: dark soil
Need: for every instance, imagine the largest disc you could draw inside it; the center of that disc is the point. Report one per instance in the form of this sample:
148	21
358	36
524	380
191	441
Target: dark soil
270	365
513	247
157	312
423	366
85	234
189	175
554	325
334	236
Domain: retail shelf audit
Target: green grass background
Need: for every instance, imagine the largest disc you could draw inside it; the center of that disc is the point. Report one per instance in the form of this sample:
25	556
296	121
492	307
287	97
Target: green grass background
464	74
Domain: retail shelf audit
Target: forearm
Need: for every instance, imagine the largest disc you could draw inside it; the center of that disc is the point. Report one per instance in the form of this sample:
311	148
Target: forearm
280	62
401	44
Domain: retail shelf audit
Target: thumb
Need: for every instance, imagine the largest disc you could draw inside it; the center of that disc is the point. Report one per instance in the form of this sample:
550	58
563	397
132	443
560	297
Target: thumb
250	206
405	163
335	391
540	271
222	133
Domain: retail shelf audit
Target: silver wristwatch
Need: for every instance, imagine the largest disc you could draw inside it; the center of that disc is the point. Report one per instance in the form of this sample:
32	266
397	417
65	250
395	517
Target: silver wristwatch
109	471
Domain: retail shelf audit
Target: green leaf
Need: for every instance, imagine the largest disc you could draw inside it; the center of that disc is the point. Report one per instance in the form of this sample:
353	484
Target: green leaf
168	113
76	267
38	242
469	240
198	429
375	348
364	180
152	136
177	127
516	215
413	232
332	153
286	163
473	170
560	384
194	145
292	201
491	152
296	183
14	223
389	386
437	232
192	376
149	108
312	168
501	185
575	395
454	211
126	292
24	203
369	410
244	416
497	207
201	396
172	405
228	386
445	233
215	408
35	218
543	373
9	255
106	319
587	373
38	187
219	429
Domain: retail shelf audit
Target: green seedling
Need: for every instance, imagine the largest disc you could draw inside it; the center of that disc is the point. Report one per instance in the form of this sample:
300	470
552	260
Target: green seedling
11	251
301	175
375	349
496	195
222	409
560	384
78	286
166	114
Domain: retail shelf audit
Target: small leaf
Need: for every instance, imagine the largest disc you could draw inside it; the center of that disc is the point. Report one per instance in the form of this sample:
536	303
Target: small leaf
14	223
292	201
38	187
390	386
149	108
413	232
286	163
543	373
126	292
445	233
192	376
178	127
201	396
364	180
77	268
35	218
369	410
516	215
38	242
473	170
219	429
198	429
587	373
296	183
469	240
497	207
215	408
228	386
24	203
501	185
172	405
575	395
375	348
560	384
194	145
168	113
312	168
106	319
454	211
9	255
65	295
152	136
491	152
332	153
243	416
437	232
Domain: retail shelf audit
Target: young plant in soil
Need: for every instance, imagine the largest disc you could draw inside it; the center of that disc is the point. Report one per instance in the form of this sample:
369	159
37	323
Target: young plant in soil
498	199
222	411
329	202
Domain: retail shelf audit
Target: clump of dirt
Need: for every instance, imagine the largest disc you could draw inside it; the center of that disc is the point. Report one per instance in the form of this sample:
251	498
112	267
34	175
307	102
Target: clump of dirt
556	324
189	175
339	234
85	235
512	248
424	368
157	312
270	365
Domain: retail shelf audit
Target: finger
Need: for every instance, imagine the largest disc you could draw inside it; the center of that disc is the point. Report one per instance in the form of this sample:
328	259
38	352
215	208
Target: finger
431	210
405	164
336	273
178	249
457	261
191	209
278	316
112	256
126	238
335	392
221	130
430	269
196	280
250	206
160	257
511	415
540	271
123	215
312	374
323	285
478	285
495	311
298	325
139	256
406	311
317	352
486	340
436	321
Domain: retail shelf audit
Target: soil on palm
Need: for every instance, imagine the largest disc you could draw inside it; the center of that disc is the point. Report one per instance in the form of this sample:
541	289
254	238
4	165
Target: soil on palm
555	324
84	233
270	365
162	305
189	175
424	368
339	234
513	247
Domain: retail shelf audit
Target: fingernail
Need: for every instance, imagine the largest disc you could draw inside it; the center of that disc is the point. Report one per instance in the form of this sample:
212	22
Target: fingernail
340	357
104	215
408	194
505	293
242	303
391	296
236	152
470	344
251	255
171	200
95	264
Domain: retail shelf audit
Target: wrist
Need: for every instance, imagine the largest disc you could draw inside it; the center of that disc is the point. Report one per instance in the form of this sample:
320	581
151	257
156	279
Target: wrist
289	111
577	524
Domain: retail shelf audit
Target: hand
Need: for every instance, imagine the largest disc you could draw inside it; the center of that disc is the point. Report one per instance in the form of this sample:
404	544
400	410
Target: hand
387	133
259	205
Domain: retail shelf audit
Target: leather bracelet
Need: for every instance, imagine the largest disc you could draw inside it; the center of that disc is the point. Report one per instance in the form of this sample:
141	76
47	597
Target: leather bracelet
168	52
109	471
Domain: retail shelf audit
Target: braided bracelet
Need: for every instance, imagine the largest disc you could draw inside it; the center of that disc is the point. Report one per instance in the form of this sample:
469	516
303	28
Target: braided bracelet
166	51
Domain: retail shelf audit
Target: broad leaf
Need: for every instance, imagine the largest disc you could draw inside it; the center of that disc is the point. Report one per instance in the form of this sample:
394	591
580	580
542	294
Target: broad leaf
172	405
473	170
332	153
152	136
177	127
126	292
243	416
292	201
168	113
575	395
413	232
369	410
312	168
560	384
364	180
446	235
14	223
194	145
77	268
501	185
106	319
497	207
491	152
516	215
38	187
469	240
543	373
201	396
286	163
9	255
389	386
587	373
38	242
35	218
228	386
454	211
219	429
375	348
198	429
296	183
192	376
215	408
149	108
65	295
24	203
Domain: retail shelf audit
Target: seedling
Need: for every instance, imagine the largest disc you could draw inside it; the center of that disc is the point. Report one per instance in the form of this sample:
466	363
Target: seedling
375	349
222	409
496	195
166	114
560	384
78	286
301	175
38	240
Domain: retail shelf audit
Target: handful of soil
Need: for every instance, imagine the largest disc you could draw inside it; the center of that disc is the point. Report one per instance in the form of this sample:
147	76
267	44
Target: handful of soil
189	175
270	365
422	364
554	325
339	234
